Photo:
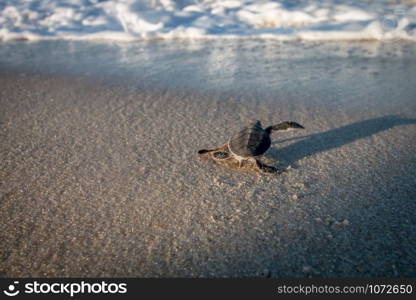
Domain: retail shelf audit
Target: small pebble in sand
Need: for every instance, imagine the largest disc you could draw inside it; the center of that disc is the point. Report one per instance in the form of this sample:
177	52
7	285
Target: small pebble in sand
300	185
295	197
250	194
217	182
345	222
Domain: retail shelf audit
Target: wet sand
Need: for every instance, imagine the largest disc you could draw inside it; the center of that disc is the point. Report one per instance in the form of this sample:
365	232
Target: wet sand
103	180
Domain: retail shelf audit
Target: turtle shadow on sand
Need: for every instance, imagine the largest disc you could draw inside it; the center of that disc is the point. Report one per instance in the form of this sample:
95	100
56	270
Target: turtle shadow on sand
333	138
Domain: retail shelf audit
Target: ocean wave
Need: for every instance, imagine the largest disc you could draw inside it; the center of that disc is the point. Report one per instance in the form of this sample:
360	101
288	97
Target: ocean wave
129	20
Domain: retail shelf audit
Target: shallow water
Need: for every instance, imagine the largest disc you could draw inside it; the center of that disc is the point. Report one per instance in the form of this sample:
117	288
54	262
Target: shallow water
248	67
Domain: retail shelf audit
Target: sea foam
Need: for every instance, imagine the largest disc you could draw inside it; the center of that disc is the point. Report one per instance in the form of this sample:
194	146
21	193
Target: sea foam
129	20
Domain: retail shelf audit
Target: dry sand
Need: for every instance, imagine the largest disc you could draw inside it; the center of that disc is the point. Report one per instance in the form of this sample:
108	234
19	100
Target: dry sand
100	180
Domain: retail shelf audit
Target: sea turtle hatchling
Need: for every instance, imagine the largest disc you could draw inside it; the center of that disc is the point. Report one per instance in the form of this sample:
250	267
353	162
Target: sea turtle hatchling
250	143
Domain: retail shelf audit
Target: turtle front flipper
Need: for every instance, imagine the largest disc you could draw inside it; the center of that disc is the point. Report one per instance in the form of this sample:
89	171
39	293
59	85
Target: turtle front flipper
284	126
267	169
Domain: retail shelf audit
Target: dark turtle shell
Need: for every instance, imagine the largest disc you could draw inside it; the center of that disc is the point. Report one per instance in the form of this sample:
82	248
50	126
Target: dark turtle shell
252	140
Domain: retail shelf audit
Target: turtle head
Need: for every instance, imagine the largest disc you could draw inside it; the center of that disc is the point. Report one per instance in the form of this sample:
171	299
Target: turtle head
254	123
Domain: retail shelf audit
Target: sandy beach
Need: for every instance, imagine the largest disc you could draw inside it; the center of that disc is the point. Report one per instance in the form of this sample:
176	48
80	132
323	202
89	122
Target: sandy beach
100	177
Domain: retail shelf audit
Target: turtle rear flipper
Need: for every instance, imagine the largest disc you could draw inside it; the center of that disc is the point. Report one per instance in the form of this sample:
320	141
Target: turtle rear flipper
205	151
216	153
221	155
267	169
